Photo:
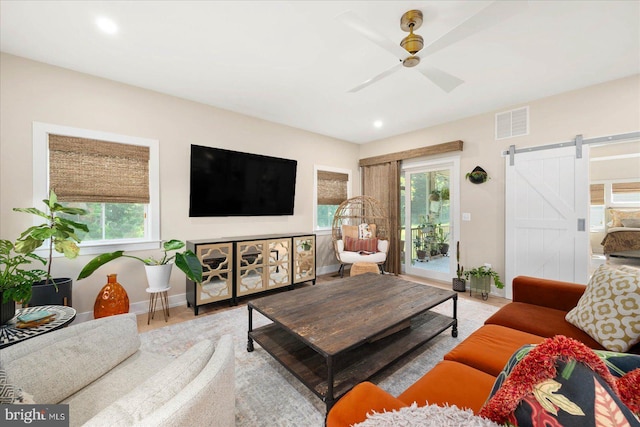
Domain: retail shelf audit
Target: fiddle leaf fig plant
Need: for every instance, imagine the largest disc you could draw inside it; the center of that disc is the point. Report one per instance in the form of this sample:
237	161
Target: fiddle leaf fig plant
186	261
16	281
61	232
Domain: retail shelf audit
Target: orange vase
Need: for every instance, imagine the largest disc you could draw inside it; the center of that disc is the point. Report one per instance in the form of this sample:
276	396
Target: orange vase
112	299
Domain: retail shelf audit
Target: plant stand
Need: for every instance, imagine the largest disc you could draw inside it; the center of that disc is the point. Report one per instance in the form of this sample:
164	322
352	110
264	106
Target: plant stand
480	284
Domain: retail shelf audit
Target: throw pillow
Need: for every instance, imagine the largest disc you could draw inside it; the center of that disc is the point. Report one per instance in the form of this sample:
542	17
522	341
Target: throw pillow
360	245
366	231
560	382
618	215
350	231
609	309
12	394
426	416
631	222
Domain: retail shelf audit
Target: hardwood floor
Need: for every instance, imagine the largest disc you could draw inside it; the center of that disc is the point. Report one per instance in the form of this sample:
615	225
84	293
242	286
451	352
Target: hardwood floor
183	313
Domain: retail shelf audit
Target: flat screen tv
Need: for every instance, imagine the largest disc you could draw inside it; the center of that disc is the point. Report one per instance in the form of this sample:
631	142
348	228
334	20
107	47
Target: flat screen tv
231	183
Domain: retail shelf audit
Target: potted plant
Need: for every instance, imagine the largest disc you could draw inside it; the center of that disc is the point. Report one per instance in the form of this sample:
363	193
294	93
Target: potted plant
158	270
442	239
480	280
459	284
420	250
61	232
15	281
477	175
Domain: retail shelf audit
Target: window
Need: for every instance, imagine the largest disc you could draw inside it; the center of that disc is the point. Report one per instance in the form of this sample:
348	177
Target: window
625	192
114	177
331	189
611	194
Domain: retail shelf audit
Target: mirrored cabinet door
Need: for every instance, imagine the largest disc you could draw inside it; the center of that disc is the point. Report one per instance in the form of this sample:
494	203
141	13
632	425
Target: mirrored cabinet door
217	273
304	258
279	262
251	267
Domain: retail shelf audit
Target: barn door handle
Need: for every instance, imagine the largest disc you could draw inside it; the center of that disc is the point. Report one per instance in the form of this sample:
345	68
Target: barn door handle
581	224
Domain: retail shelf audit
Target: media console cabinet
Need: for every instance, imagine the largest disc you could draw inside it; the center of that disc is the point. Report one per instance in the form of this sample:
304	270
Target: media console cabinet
238	266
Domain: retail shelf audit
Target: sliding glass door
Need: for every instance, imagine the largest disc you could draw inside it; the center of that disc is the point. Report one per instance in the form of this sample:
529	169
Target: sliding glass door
430	211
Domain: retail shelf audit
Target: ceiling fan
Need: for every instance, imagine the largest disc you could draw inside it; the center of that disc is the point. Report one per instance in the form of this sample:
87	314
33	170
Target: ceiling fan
411	49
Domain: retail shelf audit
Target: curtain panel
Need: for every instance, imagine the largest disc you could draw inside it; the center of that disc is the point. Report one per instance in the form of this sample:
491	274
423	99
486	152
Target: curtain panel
89	170
382	182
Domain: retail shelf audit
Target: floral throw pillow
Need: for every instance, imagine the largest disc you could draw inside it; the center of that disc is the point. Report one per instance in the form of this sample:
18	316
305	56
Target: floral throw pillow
562	383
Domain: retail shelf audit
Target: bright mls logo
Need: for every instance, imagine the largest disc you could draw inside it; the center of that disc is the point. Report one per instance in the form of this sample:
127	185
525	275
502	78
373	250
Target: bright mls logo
35	415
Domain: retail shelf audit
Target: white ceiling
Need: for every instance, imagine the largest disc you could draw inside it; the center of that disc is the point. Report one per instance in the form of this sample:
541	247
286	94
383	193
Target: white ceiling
292	62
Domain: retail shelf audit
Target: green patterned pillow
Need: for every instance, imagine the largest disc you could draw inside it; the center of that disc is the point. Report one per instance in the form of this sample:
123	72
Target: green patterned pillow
609	309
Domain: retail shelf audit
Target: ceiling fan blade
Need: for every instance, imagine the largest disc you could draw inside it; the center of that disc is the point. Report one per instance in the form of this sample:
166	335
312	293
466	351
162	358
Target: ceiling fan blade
496	12
374	79
443	80
352	20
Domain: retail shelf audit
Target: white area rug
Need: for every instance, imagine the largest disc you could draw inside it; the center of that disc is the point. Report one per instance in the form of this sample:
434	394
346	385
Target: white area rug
268	395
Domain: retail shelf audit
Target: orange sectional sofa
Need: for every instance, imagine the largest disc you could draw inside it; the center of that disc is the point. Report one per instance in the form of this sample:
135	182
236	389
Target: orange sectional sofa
466	375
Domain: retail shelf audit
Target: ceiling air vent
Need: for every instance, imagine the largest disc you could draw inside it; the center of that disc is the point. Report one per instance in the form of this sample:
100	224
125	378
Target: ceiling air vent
512	123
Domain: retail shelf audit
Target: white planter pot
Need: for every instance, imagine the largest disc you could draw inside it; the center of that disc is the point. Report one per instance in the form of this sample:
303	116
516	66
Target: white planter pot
158	276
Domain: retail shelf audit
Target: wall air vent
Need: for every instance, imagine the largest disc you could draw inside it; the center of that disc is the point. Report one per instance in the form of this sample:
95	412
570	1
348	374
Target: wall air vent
512	123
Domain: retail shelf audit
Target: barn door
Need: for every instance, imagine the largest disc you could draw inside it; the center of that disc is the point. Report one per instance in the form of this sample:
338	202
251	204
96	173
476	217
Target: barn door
547	216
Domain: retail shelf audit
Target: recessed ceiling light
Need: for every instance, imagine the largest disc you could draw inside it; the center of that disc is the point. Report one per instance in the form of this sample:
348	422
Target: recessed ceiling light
106	25
377	124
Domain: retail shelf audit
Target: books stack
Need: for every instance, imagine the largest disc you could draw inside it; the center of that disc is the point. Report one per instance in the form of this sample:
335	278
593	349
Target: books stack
37	318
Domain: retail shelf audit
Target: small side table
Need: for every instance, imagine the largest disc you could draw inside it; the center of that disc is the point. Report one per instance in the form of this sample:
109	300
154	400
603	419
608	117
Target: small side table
154	296
10	334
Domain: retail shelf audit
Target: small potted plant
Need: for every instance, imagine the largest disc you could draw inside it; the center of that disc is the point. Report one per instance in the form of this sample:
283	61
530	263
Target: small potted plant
420	248
480	280
459	284
477	175
62	234
158	270
442	239
15	281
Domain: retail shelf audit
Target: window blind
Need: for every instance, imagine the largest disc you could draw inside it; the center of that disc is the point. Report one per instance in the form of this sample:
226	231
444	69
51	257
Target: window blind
332	187
597	194
625	187
89	170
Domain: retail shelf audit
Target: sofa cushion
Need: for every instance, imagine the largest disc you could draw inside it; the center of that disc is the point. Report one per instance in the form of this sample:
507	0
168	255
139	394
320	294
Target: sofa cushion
81	354
157	390
559	382
442	386
490	347
129	374
537	320
609	309
363	398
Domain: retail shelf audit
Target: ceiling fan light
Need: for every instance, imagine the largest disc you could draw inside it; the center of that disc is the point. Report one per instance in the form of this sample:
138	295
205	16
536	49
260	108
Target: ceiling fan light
411	61
413	43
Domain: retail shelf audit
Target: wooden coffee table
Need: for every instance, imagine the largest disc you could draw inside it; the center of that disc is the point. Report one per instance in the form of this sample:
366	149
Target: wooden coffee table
335	335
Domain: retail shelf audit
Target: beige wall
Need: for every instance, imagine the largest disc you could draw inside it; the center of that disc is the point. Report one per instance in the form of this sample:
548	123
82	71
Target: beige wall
32	91
605	109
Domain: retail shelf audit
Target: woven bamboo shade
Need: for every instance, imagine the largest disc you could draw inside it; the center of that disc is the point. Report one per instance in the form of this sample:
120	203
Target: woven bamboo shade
332	187
625	187
89	170
597	194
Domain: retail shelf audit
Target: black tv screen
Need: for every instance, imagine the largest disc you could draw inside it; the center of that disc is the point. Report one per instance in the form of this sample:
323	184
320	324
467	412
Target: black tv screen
230	183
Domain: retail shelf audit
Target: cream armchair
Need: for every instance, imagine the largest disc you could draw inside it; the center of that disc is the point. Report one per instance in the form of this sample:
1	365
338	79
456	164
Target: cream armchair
351	257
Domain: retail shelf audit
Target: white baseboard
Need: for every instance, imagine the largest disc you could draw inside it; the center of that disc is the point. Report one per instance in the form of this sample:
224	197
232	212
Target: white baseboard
141	307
